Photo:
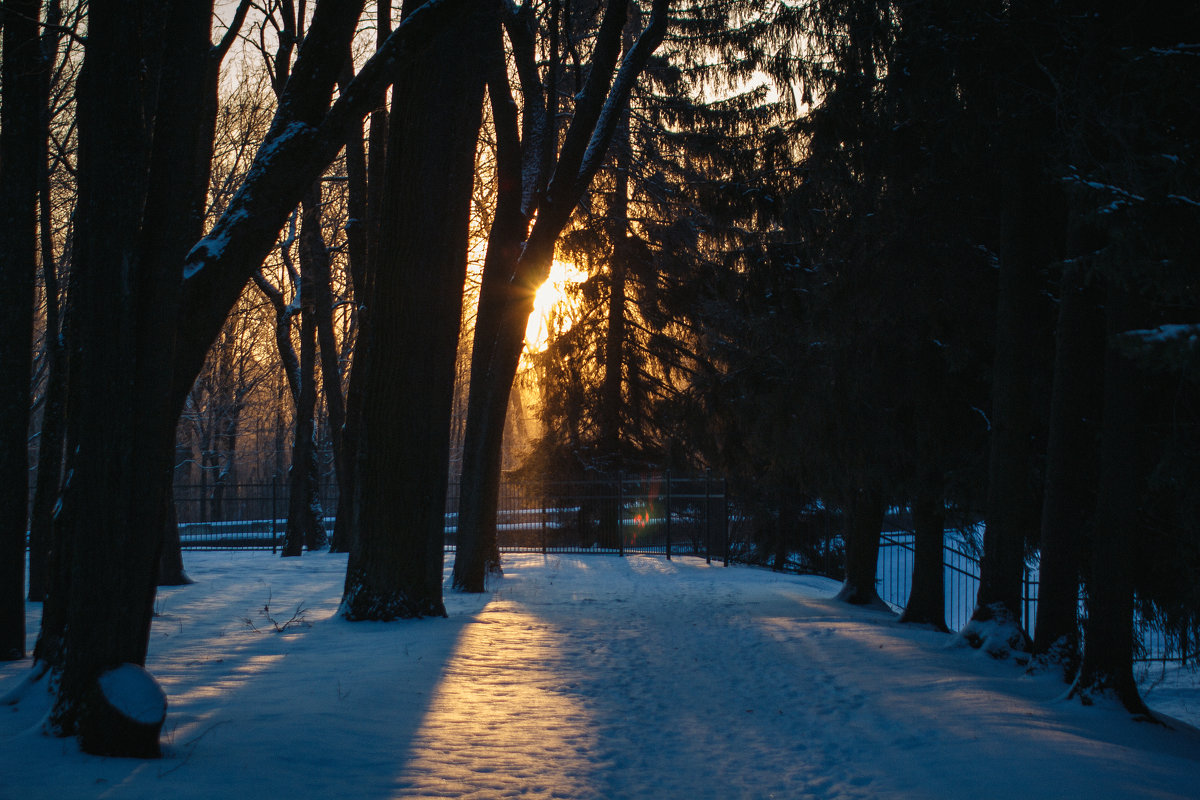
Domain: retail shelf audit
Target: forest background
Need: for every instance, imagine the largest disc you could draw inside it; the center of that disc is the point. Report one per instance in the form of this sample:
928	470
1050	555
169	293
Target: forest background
852	256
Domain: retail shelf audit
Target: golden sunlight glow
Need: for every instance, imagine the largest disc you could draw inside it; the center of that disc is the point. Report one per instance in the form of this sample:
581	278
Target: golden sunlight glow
506	715
550	300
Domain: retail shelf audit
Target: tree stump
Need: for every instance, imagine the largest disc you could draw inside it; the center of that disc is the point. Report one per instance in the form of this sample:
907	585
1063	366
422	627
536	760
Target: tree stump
124	715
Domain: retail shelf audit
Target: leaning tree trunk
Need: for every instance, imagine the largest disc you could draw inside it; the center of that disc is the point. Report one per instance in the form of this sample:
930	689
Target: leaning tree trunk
19	159
864	526
1071	458
182	165
415	302
500	335
476	550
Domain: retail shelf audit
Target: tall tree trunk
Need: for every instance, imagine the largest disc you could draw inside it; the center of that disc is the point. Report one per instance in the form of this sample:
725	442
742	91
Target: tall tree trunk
1107	665
312	242
1071	458
864	525
1011	511
357	244
927	599
305	526
366	191
187	156
614	337
50	442
129	320
507	292
395	568
20	79
477	551
125	309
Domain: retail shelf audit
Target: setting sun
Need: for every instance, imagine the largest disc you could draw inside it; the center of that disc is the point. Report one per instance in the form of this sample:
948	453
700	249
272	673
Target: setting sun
549	295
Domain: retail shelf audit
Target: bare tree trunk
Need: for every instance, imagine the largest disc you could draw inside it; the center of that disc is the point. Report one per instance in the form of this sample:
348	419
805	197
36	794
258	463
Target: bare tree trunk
1107	665
864	524
1011	506
476	551
122	434
305	526
122	416
507	296
50	443
415	302
927	601
192	107
20	79
369	184
614	338
315	258
1071	474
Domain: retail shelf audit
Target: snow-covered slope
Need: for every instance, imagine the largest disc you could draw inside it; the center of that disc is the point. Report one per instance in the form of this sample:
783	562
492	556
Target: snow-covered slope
589	677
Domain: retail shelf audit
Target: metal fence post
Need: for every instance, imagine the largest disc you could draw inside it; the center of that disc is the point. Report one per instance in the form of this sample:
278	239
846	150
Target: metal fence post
724	523
707	519
274	514
544	513
668	515
620	512
1025	588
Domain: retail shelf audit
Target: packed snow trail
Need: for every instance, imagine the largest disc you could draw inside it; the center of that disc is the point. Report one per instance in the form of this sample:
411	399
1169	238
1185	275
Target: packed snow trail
589	677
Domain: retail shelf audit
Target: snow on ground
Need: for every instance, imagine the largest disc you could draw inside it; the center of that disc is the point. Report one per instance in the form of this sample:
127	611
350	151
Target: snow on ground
589	677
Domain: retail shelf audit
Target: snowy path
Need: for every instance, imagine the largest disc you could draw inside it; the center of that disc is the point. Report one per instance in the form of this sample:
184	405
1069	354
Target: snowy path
591	677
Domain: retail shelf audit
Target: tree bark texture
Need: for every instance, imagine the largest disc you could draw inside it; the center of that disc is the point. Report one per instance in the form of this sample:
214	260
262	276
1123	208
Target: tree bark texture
927	599
864	524
50	442
20	79
365	173
122	430
1011	511
477	551
1125	463
174	219
1071	474
415	302
315	259
305	526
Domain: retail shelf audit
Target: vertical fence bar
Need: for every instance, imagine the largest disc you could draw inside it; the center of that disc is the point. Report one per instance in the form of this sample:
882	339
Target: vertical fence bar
707	520
620	512
725	525
274	514
545	512
668	515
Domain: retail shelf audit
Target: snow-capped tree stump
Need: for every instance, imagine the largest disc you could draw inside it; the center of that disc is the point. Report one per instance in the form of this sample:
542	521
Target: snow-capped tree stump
126	711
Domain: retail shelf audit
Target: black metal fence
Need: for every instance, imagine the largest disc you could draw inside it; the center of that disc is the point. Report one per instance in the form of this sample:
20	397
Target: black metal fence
961	575
661	513
894	578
